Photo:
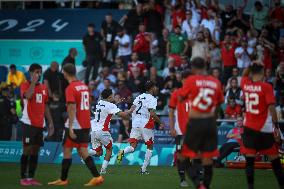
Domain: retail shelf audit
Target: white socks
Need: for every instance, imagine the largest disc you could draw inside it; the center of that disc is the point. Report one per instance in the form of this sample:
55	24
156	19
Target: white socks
148	156
105	164
128	149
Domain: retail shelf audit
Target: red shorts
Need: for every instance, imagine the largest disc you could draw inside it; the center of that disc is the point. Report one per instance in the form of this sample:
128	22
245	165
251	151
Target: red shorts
269	151
190	153
71	144
81	141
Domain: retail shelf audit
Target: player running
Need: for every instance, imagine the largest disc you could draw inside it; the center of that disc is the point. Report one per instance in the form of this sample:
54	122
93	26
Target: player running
143	118
178	118
205	94
34	97
77	128
260	123
100	134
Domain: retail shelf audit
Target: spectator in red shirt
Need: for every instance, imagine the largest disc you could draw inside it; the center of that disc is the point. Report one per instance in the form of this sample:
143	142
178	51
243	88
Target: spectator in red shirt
233	110
142	44
228	47
178	16
135	63
277	14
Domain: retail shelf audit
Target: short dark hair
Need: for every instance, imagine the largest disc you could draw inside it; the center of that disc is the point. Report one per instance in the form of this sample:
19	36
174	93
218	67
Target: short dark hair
91	25
149	85
106	93
13	66
70	69
258	3
234	78
35	66
198	63
185	74
256	69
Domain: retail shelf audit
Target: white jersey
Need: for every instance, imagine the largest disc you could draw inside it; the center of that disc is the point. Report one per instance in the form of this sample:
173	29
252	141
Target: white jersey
104	111
141	115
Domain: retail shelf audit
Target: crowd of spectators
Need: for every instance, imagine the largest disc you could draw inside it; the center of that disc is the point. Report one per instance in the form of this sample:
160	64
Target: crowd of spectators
157	39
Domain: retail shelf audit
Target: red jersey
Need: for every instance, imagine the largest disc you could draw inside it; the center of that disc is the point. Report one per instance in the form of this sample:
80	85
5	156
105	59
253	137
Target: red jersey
228	54
142	45
182	111
34	108
140	65
258	96
234	112
78	93
204	92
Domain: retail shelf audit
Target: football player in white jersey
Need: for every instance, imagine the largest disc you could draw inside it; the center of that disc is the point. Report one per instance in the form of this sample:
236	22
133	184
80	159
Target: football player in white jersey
100	135
143	118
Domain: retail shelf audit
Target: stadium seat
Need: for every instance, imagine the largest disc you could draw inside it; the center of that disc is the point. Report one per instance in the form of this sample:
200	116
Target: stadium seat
3	73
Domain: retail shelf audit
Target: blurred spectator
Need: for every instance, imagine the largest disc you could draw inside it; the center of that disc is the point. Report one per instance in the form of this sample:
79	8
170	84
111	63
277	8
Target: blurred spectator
170	82
123	44
153	76
280	50
277	16
105	74
235	74
178	16
136	82
280	110
213	23
228	47
108	31
177	43
105	84
135	63
216	72
269	78
233	110
200	47
59	115
243	55
259	16
118	66
239	21
7	113
233	142
71	57
95	50
141	44
215	56
94	92
190	26
53	80
153	18
279	86
15	77
124	92
132	19
234	91
226	16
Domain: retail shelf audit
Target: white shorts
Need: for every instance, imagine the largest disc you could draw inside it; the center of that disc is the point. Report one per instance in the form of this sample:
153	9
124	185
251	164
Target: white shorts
145	134
101	138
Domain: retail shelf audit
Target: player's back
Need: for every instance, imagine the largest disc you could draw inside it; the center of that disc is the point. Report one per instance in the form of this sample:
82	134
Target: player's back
103	113
143	103
204	93
258	96
78	93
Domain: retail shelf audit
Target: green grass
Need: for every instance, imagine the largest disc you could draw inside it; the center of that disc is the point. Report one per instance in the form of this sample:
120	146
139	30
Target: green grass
127	177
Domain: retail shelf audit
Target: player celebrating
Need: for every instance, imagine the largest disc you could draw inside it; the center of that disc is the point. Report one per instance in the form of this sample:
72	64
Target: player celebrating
77	128
260	123
34	97
143	118
205	94
178	118
100	135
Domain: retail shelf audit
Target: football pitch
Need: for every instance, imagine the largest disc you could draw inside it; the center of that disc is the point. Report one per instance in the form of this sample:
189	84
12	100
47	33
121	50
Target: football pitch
127	177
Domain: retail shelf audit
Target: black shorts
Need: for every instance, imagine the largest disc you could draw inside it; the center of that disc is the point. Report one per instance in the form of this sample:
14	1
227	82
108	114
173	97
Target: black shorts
179	142
82	140
201	135
257	140
32	135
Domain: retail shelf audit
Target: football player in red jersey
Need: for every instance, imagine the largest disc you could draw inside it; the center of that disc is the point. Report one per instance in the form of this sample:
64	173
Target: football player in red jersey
178	118
34	98
204	93
77	127
261	132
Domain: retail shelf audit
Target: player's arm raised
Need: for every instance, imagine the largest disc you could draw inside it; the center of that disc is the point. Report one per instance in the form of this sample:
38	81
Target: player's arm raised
71	109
